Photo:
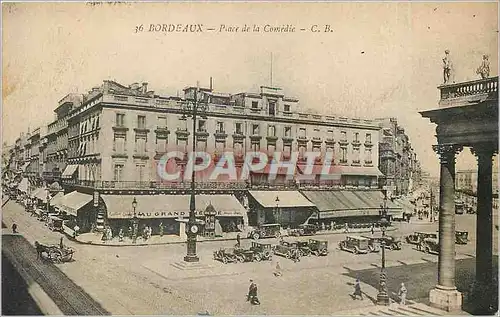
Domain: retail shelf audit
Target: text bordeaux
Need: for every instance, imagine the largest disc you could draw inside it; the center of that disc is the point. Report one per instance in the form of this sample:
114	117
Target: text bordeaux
191	28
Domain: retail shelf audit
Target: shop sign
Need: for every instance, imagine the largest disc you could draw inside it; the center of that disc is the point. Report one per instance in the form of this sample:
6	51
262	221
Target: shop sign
181	214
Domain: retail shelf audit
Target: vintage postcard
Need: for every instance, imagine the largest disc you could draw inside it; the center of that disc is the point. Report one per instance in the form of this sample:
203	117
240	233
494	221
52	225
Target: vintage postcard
249	158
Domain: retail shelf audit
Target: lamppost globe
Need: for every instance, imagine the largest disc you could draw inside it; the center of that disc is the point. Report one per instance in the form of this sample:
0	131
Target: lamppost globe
134	205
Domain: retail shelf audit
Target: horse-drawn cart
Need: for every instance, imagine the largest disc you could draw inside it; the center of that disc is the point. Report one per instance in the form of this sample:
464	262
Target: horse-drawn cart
54	253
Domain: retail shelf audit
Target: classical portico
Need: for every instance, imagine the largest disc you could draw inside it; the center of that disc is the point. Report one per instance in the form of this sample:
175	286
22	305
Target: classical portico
467	117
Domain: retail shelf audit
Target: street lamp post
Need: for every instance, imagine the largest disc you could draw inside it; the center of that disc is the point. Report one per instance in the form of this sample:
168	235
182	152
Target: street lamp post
135	222
383	295
278	211
47	198
193	107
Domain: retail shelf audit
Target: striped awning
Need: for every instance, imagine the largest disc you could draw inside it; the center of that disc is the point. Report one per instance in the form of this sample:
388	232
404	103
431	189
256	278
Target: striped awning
344	203
284	199
69	171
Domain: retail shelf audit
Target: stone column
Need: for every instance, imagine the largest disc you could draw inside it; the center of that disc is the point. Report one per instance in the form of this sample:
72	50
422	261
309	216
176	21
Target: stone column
484	228
445	295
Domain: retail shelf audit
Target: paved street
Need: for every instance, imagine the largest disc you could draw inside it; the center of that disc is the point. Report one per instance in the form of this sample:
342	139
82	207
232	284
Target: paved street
141	280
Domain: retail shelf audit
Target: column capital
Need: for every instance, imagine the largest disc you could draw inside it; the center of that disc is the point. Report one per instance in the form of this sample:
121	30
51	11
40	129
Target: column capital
447	152
486	150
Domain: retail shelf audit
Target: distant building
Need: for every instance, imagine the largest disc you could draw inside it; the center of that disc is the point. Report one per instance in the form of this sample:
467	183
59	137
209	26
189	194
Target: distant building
397	159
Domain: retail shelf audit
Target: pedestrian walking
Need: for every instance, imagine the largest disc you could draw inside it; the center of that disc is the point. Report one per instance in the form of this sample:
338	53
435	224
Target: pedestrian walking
238	240
402	294
120	235
357	291
14	228
346	228
373	228
161	228
104	235
129	232
75	231
278	271
61	244
110	233
252	294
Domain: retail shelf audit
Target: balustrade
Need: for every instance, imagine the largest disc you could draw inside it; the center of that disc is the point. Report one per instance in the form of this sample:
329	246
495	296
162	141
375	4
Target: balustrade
470	88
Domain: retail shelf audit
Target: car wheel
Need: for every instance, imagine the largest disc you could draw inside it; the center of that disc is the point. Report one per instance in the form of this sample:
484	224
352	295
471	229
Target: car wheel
391	247
256	236
241	259
277	234
288	255
257	258
224	260
356	250
427	250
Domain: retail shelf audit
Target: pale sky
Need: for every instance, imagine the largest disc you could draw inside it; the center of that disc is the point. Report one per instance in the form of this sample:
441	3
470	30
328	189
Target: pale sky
382	59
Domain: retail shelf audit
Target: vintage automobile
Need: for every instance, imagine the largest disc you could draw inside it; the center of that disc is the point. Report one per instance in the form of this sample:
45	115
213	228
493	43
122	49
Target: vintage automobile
225	255
461	237
417	237
355	244
266	231
392	242
262	251
287	249
459	207
245	255
430	245
303	247
318	247
55	223
304	230
373	244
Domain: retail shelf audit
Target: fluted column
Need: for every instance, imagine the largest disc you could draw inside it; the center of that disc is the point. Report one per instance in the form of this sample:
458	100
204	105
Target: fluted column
484	226
446	266
445	295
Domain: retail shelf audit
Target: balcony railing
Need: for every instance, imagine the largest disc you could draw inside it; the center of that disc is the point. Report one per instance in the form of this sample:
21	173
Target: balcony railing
154	185
485	87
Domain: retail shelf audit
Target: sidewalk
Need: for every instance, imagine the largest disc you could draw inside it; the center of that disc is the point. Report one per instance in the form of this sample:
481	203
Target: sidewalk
95	238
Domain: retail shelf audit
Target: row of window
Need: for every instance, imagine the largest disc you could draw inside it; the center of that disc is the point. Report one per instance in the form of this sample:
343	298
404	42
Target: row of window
238	128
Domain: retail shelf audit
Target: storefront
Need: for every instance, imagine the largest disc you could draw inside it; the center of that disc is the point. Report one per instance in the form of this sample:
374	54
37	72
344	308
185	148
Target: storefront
352	207
75	207
167	210
288	208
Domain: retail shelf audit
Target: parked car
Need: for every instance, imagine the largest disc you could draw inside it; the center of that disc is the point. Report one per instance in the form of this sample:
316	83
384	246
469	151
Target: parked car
287	249
245	255
304	230
318	247
373	244
392	242
263	251
461	237
430	245
355	244
303	247
225	255
418	236
459	207
266	231
55	223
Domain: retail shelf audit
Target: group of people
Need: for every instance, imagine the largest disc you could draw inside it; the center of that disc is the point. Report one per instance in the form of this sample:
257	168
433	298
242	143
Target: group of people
146	232
401	293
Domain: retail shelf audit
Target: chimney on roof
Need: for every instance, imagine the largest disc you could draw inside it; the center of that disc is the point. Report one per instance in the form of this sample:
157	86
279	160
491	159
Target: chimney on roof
144	88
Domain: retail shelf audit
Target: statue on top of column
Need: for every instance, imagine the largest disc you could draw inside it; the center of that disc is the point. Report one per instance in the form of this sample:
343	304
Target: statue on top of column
484	69
447	67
